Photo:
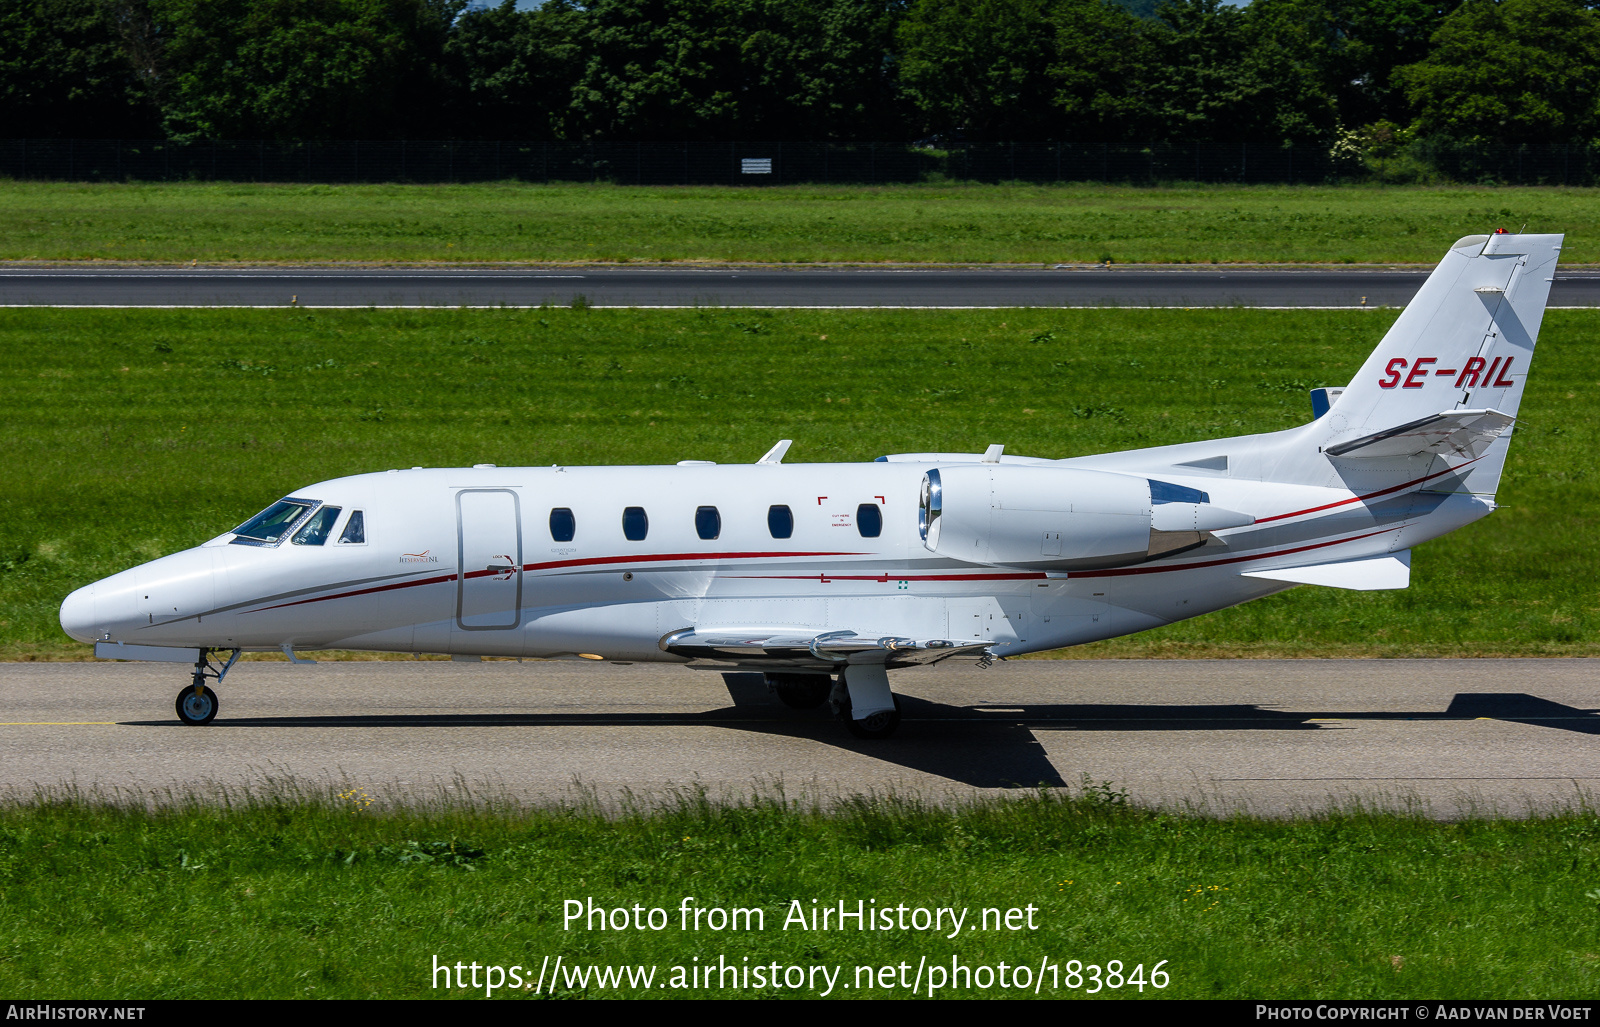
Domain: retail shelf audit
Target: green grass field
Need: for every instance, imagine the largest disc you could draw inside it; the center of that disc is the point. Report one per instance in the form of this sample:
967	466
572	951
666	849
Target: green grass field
131	434
509	222
326	897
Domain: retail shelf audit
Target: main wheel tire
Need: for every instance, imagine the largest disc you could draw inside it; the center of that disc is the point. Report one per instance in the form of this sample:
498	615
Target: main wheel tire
801	691
878	726
197	709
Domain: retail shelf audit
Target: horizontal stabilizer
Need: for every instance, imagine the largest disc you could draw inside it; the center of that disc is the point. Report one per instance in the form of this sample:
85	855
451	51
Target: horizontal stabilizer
1369	575
787	647
1465	433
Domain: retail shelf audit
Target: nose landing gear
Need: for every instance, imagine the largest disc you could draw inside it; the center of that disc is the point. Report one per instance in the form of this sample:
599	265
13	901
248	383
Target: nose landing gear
197	704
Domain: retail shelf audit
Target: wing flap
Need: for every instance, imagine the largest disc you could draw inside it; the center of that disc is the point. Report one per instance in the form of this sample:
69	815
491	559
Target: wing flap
1392	570
1465	433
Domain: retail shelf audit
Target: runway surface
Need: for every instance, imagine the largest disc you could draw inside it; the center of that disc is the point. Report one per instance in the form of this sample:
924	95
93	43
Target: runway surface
1273	737
630	287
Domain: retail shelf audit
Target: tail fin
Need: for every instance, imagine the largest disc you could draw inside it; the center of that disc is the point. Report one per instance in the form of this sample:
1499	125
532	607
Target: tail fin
1463	343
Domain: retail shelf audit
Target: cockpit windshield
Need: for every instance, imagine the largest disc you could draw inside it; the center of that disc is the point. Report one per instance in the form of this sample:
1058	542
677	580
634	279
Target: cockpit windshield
272	525
317	526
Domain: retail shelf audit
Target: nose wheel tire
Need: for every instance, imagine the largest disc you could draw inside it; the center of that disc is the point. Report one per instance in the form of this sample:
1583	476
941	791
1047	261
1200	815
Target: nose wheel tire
197	706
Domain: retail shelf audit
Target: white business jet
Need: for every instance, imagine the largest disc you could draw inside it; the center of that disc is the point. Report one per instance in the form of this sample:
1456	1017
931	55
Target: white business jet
827	576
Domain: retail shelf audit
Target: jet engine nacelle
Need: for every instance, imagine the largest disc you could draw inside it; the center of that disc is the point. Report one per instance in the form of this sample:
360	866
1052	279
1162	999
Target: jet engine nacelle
1061	518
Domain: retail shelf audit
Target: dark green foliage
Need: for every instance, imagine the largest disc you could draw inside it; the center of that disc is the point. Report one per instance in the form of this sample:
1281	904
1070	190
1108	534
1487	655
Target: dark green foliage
65	70
1511	71
303	69
735	69
1215	77
517	70
1173	73
982	68
1354	48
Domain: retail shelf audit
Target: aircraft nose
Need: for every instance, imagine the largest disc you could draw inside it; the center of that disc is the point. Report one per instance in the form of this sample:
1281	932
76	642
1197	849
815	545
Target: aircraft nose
77	614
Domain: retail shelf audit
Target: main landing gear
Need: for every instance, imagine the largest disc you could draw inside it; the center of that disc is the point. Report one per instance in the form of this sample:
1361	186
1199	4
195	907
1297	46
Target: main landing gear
862	699
864	688
197	704
800	691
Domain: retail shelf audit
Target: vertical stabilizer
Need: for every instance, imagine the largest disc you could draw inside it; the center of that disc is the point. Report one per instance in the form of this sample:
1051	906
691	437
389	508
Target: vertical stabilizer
1465	342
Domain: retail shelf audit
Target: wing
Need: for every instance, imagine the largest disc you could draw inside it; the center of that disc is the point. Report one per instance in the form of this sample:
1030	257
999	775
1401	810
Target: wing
784	647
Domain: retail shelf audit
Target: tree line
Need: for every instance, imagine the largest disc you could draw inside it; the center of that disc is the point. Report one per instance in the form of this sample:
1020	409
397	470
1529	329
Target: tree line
1367	74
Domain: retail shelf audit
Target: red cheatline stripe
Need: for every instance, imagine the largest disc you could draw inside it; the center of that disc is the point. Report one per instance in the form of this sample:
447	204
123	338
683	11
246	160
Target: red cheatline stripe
1119	572
648	558
662	557
1034	576
363	591
1368	495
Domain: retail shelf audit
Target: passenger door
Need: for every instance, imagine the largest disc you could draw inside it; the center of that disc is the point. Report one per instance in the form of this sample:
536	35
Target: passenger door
489	558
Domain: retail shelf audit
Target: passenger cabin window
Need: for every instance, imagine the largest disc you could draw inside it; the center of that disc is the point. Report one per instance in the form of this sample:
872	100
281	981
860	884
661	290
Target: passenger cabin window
635	524
780	521
270	526
562	524
707	522
317	528
355	530
869	520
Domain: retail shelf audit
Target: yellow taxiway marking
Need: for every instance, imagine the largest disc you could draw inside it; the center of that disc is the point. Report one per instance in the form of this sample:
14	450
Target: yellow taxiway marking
56	723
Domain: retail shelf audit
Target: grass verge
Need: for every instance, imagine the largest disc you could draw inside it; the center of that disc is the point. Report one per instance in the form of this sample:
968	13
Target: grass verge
511	222
135	433
285	893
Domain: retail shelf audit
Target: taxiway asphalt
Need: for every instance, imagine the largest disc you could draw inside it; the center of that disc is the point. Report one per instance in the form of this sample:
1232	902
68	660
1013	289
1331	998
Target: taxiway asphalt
732	287
1272	737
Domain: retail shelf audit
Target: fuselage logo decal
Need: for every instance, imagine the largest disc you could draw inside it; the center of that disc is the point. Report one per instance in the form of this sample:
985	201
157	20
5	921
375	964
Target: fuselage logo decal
421	557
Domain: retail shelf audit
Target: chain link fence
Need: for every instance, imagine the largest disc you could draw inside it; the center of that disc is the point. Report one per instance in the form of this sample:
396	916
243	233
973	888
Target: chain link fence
90	160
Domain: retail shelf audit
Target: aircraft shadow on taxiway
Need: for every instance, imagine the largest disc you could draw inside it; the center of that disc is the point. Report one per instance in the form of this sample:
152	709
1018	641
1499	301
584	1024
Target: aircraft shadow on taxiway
983	746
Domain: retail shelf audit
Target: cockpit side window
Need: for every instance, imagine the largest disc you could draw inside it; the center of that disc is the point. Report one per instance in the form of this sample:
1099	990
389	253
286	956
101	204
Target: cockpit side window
272	525
317	527
355	530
